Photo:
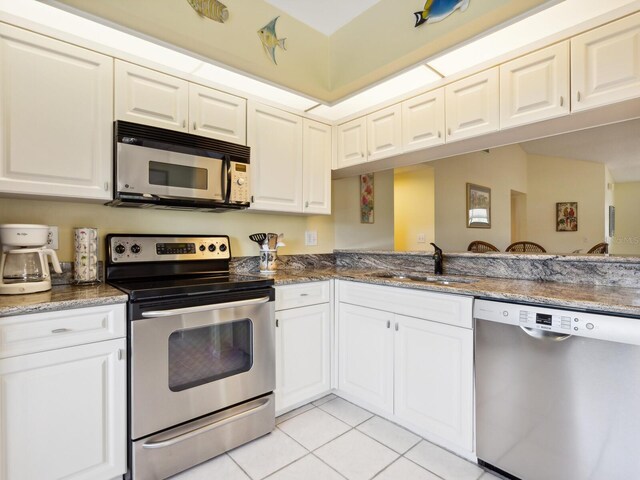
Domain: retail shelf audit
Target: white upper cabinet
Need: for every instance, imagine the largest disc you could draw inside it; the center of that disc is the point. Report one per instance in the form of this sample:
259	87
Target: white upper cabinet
605	64
384	133
423	121
160	100
149	97
275	138
316	167
56	113
352	143
217	114
472	105
535	87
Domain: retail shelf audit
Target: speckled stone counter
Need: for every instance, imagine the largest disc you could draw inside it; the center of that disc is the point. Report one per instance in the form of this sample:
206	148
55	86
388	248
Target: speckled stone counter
60	297
596	298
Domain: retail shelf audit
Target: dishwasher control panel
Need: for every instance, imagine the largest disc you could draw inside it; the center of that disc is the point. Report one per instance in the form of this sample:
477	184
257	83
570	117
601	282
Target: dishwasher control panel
582	324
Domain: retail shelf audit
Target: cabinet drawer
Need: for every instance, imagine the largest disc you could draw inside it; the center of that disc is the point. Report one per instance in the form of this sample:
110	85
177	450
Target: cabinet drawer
51	330
302	294
438	307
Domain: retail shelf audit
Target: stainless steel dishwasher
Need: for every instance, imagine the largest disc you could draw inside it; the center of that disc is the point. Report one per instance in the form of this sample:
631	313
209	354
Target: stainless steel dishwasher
557	393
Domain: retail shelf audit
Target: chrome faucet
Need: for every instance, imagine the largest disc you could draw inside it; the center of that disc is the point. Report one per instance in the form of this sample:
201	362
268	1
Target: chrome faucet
438	257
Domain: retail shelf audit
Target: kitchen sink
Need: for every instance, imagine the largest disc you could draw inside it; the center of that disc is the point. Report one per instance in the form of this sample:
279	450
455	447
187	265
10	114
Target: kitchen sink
440	280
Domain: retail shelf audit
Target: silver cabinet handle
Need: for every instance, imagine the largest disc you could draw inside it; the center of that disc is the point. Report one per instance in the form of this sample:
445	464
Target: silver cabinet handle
61	330
561	101
439	134
184	124
205	308
545	335
121	354
578	96
106	186
397	326
388	323
449	131
195	127
306	204
167	441
304	294
277	322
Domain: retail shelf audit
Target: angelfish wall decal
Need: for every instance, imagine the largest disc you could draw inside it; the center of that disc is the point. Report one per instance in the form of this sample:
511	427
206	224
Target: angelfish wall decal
270	39
436	10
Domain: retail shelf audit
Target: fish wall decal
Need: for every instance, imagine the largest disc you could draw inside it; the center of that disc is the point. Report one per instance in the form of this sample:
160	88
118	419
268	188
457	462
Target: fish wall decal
270	39
212	9
436	10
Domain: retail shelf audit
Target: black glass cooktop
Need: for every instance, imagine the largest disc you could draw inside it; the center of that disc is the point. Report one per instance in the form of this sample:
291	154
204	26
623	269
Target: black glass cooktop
143	289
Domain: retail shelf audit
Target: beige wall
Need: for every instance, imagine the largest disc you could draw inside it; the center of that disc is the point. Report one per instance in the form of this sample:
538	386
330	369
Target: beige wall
553	179
349	232
626	240
414	209
502	170
238	225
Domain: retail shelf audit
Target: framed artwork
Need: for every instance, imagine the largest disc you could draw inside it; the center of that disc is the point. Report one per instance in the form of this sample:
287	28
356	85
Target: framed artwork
366	198
478	206
567	217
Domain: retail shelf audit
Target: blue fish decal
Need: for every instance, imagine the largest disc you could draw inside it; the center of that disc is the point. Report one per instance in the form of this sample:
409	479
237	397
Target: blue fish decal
436	10
270	40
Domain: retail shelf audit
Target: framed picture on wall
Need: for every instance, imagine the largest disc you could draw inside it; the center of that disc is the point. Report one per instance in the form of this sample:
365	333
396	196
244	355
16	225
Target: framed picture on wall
567	217
478	206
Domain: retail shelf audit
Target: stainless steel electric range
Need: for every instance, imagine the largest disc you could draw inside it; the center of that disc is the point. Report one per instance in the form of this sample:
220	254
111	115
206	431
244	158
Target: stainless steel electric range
201	350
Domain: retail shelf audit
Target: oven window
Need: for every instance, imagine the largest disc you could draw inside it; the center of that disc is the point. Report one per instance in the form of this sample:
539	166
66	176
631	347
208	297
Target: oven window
206	354
172	175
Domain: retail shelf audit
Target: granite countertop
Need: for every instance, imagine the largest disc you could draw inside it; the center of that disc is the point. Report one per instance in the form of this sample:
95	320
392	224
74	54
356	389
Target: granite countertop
61	297
617	300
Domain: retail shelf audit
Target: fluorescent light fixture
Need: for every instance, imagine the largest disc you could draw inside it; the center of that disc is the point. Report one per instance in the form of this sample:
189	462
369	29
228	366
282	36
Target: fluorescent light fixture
407	82
533	28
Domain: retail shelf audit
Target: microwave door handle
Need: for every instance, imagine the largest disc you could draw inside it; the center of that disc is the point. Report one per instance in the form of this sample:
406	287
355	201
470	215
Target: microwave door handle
227	170
205	308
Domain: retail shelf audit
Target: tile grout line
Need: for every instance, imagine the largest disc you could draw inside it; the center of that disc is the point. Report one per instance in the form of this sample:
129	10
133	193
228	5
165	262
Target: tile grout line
321	460
238	465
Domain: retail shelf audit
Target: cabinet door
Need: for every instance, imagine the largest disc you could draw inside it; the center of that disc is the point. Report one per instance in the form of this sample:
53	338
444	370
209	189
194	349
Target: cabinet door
535	87
303	351
275	138
352	143
316	167
63	413
365	355
423	121
149	97
472	105
56	113
434	378
384	133
605	64
217	114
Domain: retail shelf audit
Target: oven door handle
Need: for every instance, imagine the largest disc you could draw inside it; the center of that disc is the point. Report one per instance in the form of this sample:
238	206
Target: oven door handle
251	408
205	308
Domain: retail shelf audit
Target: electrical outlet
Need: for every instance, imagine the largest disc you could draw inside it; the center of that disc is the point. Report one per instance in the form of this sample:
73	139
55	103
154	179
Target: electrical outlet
311	238
422	238
52	238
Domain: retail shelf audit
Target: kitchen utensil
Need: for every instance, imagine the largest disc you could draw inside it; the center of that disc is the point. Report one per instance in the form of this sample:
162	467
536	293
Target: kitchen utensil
24	266
272	240
259	238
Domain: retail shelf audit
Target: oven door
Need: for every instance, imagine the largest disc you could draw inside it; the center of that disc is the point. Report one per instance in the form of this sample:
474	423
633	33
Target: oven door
192	360
165	173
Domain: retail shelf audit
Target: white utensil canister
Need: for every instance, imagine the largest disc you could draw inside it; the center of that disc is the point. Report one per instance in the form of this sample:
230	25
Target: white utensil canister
85	265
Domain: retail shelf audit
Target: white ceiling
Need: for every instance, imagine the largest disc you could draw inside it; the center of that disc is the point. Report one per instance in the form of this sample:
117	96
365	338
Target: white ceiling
616	145
326	16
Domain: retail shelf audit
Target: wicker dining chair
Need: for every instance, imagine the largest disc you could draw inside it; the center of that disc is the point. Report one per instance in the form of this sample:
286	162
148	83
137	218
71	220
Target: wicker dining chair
479	246
599	248
525	247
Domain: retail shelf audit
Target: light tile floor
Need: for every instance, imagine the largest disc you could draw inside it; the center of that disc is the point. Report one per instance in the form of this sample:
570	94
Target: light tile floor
332	439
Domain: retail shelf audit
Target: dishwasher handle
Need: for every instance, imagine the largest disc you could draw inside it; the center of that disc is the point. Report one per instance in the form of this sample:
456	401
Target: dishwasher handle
545	335
205	308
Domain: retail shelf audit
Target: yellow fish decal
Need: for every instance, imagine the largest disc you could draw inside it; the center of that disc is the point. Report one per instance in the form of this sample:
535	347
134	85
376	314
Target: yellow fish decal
212	9
270	39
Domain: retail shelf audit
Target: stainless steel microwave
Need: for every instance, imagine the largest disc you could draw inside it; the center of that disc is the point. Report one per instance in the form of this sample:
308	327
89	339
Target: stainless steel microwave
159	168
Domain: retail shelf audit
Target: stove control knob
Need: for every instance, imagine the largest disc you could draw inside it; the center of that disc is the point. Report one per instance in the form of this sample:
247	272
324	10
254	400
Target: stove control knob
223	248
135	248
119	249
212	248
202	248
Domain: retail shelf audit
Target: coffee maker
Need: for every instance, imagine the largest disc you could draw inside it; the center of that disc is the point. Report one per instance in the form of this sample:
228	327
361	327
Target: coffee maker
24	266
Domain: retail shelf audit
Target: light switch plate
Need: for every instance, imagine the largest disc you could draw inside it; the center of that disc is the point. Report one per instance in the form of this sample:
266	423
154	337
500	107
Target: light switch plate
52	239
422	238
311	237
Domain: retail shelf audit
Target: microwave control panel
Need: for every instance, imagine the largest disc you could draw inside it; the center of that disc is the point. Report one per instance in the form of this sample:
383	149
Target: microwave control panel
239	183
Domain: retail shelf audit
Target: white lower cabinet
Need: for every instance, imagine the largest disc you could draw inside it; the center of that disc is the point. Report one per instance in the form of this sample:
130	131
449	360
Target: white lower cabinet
63	411
303	344
416	371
